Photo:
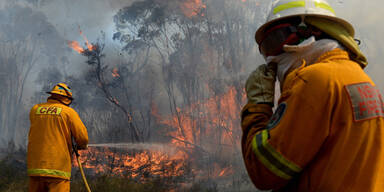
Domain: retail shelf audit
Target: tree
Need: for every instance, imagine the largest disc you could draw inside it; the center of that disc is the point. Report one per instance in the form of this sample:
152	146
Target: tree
122	85
20	52
17	58
202	48
198	46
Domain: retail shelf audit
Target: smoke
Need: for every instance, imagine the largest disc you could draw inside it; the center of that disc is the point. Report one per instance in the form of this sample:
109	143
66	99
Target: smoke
366	19
38	31
91	16
28	43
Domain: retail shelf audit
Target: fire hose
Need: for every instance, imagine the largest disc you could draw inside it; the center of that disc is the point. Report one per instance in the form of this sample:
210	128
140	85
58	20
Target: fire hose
80	166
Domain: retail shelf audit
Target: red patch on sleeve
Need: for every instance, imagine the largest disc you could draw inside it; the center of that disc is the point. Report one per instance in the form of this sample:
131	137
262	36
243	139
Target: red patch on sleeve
366	101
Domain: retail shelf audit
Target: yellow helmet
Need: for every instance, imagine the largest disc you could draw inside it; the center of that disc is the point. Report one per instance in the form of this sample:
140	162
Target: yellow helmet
63	90
319	14
283	9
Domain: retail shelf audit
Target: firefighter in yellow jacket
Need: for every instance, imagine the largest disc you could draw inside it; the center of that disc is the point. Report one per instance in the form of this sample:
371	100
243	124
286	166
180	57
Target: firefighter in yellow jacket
327	132
53	124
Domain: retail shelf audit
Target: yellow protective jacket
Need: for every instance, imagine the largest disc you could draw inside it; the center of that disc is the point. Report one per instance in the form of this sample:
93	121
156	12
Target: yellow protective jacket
50	144
327	134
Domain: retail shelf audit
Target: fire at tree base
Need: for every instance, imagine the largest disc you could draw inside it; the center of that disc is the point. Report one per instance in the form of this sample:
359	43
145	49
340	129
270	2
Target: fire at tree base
161	168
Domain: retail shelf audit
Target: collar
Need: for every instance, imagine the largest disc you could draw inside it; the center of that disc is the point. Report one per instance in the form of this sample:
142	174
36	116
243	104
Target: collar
55	101
50	100
336	54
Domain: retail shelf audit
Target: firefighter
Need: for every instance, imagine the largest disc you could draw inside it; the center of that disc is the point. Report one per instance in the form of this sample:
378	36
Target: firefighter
53	124
327	131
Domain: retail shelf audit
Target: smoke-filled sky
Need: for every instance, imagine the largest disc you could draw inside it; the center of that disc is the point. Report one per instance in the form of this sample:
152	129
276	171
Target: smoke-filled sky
367	18
89	16
93	16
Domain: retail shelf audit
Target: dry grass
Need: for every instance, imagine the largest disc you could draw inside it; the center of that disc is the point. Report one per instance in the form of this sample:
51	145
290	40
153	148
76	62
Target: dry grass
13	175
13	178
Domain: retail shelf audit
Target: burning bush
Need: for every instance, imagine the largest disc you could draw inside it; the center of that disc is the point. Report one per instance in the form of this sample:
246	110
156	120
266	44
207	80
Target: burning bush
133	164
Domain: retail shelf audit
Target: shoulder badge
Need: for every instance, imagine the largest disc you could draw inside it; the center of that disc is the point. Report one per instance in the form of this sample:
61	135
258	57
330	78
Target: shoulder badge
276	117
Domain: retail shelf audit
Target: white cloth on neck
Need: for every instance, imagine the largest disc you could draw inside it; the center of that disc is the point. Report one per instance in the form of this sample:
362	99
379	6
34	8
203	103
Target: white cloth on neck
309	50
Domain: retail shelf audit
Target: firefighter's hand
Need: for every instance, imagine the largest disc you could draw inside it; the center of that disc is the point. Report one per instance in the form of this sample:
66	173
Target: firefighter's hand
260	86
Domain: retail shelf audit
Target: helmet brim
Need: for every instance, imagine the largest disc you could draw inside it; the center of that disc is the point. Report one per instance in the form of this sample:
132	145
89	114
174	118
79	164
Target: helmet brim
261	30
71	98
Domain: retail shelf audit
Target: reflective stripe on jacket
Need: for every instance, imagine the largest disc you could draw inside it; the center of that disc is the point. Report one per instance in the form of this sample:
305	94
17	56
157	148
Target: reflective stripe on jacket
327	133
49	141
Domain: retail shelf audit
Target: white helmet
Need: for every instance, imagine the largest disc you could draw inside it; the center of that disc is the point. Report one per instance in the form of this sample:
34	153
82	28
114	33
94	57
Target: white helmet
283	9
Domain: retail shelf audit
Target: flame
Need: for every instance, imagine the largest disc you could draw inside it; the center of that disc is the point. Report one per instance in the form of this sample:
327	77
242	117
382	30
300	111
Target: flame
218	111
115	100
89	46
192	8
226	171
75	46
132	164
115	72
216	117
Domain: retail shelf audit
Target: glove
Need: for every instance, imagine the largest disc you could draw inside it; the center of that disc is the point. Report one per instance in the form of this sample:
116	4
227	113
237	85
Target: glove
260	86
